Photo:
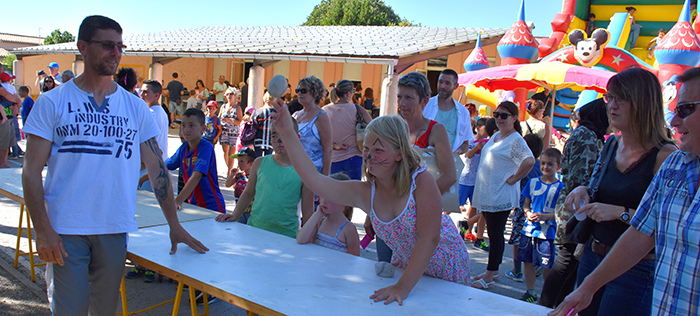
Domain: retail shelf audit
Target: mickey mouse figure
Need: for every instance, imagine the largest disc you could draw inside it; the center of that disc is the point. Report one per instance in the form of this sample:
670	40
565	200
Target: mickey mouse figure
588	51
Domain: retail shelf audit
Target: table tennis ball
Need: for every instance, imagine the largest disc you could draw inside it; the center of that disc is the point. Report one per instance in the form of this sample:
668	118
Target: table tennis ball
277	86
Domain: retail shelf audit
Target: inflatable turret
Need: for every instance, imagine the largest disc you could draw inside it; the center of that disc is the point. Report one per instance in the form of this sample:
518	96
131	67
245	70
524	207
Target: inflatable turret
477	59
678	51
517	47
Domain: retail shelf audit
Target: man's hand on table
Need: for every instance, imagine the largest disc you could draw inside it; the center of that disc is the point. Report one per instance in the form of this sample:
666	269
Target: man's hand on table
49	245
180	235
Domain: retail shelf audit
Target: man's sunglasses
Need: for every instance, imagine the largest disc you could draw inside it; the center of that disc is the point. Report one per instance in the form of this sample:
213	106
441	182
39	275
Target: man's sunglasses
684	110
298	91
109	45
501	115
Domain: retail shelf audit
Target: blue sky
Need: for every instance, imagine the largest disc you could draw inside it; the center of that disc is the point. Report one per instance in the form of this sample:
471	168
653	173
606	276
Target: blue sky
154	16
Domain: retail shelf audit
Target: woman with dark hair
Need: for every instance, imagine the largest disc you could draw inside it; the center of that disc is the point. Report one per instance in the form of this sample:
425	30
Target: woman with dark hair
126	78
202	95
505	160
635	108
49	83
578	159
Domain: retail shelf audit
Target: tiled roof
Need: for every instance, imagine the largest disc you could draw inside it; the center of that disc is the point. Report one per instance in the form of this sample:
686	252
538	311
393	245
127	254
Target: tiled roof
274	41
24	39
4	52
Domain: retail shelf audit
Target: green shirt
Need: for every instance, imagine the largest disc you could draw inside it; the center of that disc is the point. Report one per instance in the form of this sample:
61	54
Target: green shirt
277	194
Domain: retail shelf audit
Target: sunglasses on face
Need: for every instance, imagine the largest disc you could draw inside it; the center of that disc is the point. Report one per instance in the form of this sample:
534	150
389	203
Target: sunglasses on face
300	91
109	45
684	110
501	115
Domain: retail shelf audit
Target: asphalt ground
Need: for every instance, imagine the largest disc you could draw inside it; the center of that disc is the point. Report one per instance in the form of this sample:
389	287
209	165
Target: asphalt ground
20	296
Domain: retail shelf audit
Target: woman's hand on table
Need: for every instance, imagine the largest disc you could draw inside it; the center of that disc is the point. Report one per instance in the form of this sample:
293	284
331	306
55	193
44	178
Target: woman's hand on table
390	294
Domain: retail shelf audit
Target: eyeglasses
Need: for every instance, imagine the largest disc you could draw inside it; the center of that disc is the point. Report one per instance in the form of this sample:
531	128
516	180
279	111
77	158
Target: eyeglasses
109	45
609	98
300	91
501	115
684	110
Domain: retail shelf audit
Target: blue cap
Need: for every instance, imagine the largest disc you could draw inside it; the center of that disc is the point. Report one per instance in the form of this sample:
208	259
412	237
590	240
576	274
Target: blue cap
53	65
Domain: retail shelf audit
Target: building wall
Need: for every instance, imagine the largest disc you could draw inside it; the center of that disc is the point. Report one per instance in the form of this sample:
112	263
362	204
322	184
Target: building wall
192	69
30	66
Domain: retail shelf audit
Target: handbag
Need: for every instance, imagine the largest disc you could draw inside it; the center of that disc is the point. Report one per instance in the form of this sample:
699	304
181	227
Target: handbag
360	127
450	200
580	231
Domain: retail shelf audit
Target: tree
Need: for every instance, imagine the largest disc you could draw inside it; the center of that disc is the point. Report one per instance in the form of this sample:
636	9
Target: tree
57	37
8	61
355	12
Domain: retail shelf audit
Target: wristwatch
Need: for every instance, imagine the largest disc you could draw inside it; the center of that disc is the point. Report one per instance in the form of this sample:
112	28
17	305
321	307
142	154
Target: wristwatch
625	216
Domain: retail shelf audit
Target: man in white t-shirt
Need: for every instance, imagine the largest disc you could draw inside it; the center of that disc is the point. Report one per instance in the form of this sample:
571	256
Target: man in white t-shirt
218	90
94	136
150	93
447	111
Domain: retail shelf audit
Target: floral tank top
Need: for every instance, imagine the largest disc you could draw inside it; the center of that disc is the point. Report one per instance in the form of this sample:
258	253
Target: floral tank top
450	260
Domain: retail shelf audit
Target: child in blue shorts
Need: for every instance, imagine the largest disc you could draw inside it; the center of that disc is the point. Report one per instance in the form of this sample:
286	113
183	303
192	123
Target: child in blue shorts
467	180
537	236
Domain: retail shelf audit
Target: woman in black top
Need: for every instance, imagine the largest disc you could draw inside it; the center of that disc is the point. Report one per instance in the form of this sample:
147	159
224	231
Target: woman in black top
635	110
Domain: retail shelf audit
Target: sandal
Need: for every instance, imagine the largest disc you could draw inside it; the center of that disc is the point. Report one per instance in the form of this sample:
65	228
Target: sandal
481	276
483	285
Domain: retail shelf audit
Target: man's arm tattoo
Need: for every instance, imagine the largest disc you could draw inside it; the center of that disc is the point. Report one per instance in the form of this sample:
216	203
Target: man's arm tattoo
161	184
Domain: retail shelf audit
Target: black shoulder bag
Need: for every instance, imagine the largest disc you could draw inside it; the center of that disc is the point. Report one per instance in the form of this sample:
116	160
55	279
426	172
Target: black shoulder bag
580	231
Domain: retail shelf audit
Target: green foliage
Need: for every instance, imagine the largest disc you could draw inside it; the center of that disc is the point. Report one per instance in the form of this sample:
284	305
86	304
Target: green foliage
355	12
57	37
7	62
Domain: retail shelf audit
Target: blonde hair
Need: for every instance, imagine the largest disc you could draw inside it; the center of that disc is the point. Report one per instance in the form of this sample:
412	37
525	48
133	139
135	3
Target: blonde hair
394	130
267	98
315	86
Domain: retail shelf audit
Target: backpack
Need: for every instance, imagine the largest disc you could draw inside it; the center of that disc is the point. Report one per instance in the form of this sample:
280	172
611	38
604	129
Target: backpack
248	132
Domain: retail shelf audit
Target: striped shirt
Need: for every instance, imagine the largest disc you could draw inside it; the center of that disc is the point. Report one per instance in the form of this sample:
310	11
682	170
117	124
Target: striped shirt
670	210
207	193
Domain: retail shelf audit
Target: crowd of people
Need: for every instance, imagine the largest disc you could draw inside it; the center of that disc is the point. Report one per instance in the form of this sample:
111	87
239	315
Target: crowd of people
611	218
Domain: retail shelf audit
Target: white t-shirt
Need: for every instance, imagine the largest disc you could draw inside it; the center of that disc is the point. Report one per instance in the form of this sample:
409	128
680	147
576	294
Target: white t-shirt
220	87
162	122
498	162
90	186
9	87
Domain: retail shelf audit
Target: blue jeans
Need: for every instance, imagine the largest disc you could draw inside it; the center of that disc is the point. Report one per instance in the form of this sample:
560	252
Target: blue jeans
89	280
351	167
634	34
384	253
629	294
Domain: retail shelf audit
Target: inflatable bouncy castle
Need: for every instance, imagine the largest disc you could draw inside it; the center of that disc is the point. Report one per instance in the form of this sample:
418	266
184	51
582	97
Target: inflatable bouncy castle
657	35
